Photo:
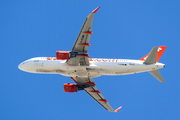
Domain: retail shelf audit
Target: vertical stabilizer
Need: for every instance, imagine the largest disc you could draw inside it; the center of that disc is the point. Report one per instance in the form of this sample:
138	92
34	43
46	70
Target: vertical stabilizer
157	75
161	50
152	57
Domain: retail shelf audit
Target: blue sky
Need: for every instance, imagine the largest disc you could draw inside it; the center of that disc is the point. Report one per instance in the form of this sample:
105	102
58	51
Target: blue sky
121	29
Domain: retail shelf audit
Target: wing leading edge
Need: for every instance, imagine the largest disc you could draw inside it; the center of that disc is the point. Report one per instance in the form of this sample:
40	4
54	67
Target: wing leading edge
81	45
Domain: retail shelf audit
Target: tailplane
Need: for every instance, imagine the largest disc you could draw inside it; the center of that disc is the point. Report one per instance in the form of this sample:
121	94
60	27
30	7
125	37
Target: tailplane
157	75
160	51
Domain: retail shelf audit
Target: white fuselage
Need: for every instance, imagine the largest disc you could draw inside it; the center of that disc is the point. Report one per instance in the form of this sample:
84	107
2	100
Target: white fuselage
97	67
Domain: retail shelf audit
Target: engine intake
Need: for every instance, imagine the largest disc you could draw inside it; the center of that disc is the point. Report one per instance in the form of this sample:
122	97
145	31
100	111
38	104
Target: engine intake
68	87
62	55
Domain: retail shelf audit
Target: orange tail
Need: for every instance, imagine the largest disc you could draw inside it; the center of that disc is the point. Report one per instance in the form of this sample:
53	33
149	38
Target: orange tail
161	50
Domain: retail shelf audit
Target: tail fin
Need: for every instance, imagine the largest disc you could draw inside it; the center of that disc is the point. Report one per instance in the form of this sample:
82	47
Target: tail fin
161	50
157	75
152	57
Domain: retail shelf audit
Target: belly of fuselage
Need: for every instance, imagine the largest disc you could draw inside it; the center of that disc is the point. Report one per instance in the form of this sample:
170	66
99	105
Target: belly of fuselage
123	68
94	70
61	67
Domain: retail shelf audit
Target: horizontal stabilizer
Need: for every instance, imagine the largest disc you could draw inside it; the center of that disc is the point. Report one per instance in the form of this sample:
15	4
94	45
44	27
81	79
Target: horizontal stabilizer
152	57
157	75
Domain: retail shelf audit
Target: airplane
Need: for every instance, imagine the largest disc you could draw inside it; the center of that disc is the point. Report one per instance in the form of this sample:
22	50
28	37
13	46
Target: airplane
77	65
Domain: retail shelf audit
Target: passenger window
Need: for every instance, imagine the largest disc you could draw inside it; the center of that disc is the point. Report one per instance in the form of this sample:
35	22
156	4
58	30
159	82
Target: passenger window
36	60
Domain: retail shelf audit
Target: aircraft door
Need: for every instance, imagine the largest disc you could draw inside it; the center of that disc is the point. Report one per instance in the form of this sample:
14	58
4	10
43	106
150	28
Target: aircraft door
38	64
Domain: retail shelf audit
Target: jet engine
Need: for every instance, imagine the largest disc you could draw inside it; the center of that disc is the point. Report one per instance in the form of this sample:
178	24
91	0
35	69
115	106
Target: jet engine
68	87
62	55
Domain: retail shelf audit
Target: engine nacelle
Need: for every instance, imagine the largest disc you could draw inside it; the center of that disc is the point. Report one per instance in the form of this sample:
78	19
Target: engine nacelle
62	55
68	87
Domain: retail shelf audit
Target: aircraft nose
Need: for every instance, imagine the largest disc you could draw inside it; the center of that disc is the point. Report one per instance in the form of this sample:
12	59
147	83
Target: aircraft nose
21	66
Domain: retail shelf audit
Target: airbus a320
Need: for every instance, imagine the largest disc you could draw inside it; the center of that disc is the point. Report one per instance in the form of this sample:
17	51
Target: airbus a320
77	65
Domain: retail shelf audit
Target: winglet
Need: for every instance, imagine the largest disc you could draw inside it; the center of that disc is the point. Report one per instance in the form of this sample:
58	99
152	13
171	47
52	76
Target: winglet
94	11
118	109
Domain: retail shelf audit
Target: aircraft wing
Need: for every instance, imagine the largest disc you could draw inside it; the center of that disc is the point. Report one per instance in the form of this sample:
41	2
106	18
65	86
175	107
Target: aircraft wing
88	85
80	48
96	95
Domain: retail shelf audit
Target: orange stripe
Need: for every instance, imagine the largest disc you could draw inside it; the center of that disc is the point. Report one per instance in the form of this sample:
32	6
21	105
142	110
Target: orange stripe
90	83
95	91
103	100
85	44
88	32
74	79
84	55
